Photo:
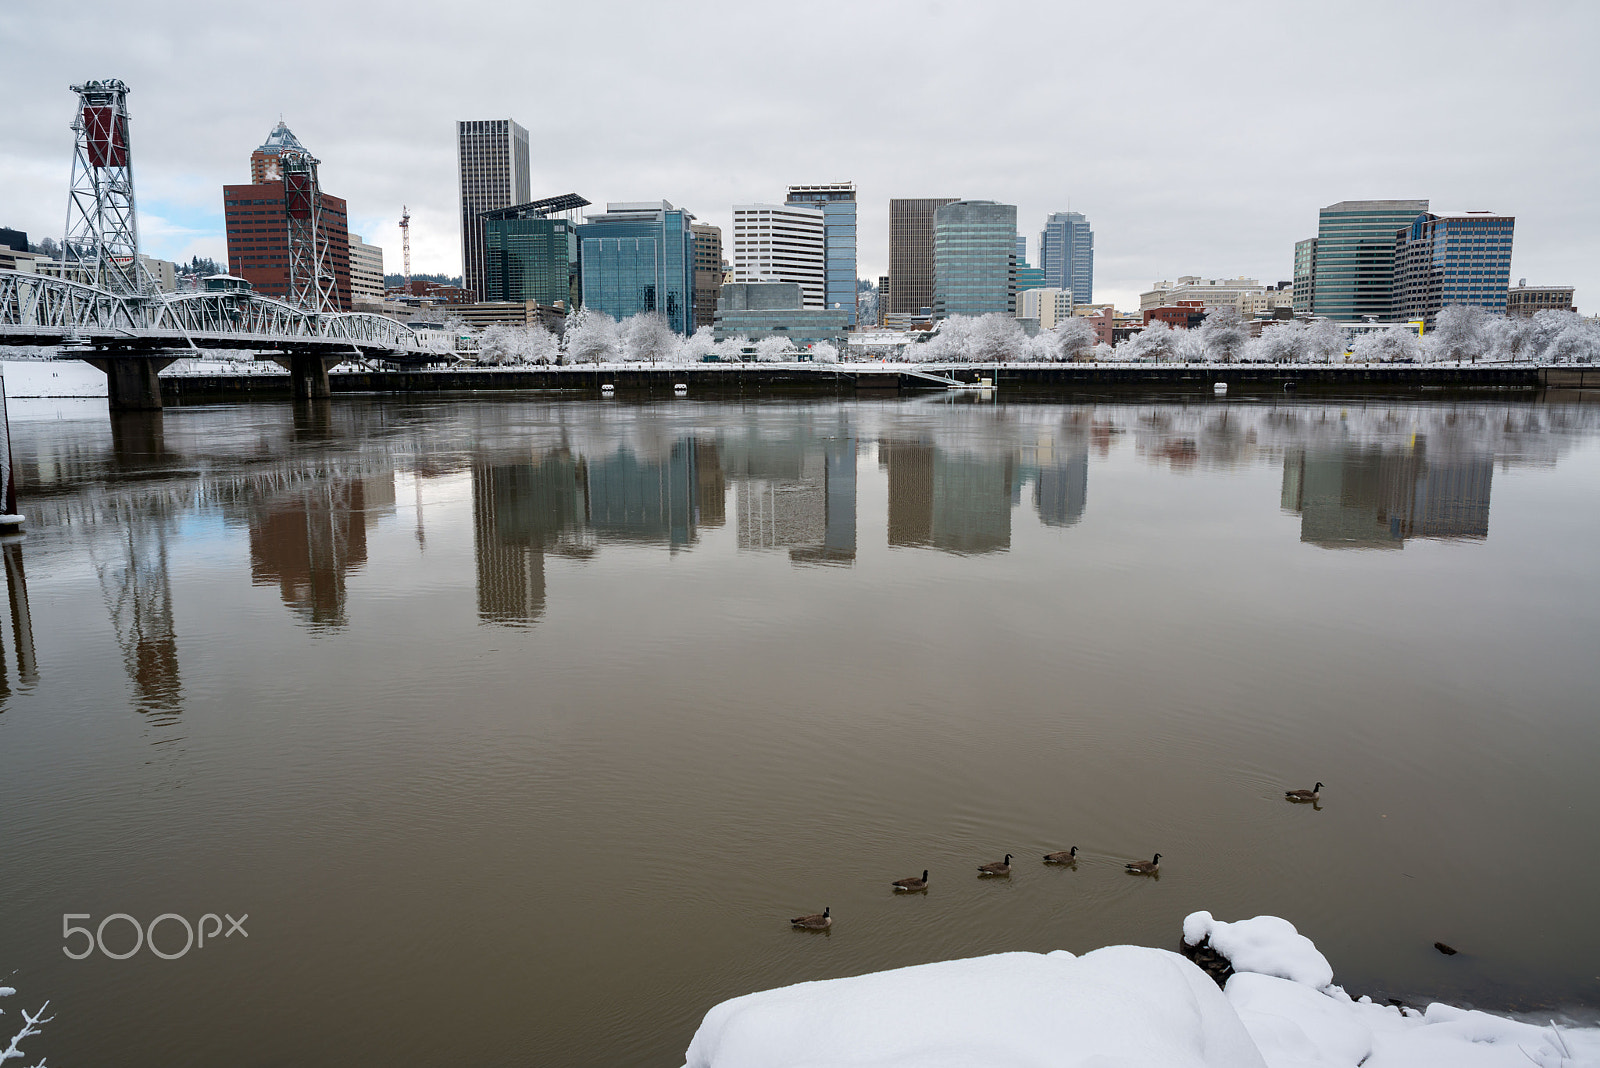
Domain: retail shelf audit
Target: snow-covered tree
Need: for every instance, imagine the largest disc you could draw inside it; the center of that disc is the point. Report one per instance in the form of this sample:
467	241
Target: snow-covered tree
1458	334
647	338
774	350
824	352
539	345
1278	343
1223	335
1322	341
498	345
1578	340
731	350
591	337
32	1024
1387	346
1157	341
996	338
696	347
1104	352
1071	338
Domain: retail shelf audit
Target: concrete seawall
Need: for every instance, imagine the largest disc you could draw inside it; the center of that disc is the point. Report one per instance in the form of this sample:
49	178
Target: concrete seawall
849	379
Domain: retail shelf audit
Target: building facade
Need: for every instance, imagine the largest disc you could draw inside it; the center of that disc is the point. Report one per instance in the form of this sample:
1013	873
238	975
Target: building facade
1355	261
366	271
974	259
1049	306
492	165
782	243
1066	253
264	161
707	272
530	252
1235	293
1523	300
639	257
1452	258
757	310
837	202
911	255
258	238
1305	275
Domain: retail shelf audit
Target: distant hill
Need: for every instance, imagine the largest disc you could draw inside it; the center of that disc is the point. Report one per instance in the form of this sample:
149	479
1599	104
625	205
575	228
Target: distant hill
398	279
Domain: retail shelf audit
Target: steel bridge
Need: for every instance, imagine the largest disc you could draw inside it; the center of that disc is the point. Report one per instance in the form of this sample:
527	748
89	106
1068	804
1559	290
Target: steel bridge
99	304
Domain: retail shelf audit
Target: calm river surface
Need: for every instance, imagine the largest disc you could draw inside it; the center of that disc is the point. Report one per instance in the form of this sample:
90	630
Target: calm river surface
519	727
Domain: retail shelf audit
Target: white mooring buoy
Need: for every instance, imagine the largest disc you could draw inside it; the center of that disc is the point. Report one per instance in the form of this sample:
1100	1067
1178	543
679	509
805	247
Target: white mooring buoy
1219	388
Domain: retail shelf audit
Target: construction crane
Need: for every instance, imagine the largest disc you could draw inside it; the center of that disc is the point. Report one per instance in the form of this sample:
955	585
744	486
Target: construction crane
405	244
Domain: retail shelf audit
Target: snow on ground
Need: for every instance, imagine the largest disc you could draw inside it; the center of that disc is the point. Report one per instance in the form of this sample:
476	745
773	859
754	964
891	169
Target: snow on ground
1120	1006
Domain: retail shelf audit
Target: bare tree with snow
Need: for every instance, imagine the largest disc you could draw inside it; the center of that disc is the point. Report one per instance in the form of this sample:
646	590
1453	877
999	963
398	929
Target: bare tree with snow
1157	341
774	350
1070	339
32	1024
824	352
647	338
696	347
591	337
1223	335
539	345
1322	340
1458	334
1578	342
497	346
1398	344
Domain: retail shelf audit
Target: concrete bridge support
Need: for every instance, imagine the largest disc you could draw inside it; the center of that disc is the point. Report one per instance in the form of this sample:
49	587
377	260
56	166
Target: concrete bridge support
131	383
308	374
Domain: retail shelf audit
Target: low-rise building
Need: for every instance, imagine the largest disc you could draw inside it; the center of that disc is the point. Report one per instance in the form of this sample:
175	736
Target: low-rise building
757	310
1211	292
1180	315
1050	306
1523	300
511	313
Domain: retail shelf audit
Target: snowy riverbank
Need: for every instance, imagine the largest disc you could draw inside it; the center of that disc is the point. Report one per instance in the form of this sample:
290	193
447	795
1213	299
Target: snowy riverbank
1122	1005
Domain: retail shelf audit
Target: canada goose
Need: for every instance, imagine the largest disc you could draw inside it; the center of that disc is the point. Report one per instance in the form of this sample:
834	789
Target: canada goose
1145	867
818	921
913	883
1069	857
1304	795
999	867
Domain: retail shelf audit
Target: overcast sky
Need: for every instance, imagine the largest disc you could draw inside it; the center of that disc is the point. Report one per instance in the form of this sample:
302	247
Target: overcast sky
1199	138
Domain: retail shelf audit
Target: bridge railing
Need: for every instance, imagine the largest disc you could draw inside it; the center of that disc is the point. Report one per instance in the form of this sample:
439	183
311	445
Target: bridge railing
32	300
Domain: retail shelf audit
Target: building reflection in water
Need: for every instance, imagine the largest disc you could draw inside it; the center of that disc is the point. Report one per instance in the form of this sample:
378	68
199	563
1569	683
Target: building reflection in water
307	536
1061	487
563	505
797	493
955	502
1376	496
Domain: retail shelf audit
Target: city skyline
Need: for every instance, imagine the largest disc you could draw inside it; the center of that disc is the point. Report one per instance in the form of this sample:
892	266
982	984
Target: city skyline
1260	182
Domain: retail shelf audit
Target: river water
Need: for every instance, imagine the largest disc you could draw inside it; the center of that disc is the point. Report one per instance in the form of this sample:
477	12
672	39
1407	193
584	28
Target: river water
519	727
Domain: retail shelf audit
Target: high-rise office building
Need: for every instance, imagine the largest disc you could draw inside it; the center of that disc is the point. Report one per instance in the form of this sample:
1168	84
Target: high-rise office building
264	161
782	243
1354	258
1305	275
911	253
366	270
492	158
974	259
1066	252
258	226
1450	258
707	272
837	201
530	252
639	257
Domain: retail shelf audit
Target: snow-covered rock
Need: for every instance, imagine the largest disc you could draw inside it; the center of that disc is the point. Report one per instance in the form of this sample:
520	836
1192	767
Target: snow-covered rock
1124	1005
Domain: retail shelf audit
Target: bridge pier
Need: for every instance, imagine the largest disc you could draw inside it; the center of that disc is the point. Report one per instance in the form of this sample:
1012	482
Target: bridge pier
131	382
308	374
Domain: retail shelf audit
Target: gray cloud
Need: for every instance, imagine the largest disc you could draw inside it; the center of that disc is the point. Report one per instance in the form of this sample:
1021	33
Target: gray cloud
1198	138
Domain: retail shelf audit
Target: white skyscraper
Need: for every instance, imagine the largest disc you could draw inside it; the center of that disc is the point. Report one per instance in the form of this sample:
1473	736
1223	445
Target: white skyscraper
781	243
493	158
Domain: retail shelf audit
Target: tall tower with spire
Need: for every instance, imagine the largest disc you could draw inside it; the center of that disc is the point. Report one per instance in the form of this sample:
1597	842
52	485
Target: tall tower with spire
264	161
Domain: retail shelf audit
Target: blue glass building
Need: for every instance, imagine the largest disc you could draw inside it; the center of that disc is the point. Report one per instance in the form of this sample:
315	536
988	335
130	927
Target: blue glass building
838	203
639	258
1452	258
974	259
1066	253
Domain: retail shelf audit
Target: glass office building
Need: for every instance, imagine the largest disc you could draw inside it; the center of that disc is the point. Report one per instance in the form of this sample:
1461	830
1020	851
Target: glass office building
530	256
838	203
974	259
639	257
1453	258
1305	275
1354	274
1066	253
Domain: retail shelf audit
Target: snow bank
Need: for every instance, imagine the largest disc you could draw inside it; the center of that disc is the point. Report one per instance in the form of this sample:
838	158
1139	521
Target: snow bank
1121	1006
1266	944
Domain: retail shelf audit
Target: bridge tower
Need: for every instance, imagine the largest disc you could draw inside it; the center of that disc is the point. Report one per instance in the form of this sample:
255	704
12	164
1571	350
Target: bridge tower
101	246
312	282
